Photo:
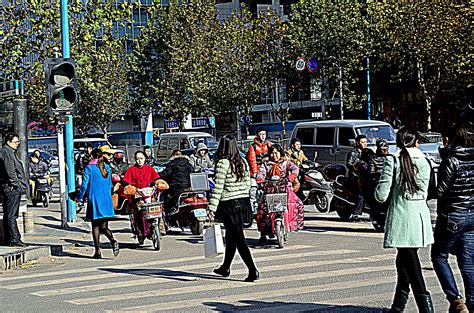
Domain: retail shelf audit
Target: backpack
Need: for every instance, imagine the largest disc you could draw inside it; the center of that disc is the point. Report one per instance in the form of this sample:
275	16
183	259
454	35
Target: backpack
432	187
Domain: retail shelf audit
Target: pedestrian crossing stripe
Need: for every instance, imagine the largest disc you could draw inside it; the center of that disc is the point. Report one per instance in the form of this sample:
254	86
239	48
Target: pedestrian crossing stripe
140	270
300	290
151	263
155	272
232	284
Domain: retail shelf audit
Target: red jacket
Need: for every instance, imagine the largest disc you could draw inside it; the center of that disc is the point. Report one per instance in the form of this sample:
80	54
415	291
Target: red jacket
140	177
256	153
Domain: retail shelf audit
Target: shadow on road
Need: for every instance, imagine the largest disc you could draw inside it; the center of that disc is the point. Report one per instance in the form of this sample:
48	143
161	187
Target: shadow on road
322	229
166	273
289	306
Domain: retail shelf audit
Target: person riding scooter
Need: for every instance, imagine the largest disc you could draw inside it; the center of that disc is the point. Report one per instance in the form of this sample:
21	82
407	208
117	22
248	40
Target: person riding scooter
177	175
37	169
200	159
278	165
140	175
297	156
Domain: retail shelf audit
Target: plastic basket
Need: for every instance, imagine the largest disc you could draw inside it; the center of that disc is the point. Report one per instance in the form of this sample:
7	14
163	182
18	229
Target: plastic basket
276	202
150	210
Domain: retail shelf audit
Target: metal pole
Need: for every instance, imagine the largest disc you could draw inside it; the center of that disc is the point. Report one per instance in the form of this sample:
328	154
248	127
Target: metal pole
369	109
341	104
69	127
20	120
62	176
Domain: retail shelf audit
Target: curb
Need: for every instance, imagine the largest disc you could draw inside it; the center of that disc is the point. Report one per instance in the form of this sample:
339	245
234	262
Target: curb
14	259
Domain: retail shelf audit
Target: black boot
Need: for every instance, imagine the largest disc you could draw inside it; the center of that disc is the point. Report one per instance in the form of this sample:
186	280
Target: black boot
399	300
424	303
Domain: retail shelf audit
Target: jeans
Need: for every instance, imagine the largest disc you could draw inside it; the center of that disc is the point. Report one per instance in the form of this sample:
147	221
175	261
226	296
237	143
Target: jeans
454	234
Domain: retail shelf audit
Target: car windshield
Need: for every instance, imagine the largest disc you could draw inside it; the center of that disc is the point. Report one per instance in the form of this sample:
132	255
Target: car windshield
374	132
210	142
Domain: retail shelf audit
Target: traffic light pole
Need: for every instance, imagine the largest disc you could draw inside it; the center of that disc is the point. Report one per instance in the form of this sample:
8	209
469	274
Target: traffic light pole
68	128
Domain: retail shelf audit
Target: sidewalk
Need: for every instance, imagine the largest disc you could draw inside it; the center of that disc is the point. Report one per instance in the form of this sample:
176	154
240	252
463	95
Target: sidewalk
47	239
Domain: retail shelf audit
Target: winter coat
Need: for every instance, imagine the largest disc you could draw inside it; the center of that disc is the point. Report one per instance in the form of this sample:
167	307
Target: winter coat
226	185
297	157
201	162
37	169
12	174
257	151
287	170
353	158
177	174
376	166
456	179
140	177
408	223
99	199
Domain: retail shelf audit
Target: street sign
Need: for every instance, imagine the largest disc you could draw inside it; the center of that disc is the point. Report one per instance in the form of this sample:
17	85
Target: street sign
300	64
212	121
12	88
313	65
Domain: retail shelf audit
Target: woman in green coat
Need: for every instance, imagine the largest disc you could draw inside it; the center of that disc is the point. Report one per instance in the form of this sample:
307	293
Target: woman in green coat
408	223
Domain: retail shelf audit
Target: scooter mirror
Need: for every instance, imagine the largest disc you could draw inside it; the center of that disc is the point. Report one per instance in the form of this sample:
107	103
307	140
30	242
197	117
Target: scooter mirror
315	155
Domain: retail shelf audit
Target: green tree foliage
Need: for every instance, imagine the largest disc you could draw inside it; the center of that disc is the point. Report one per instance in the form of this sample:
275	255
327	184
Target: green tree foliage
427	42
31	30
334	32
188	61
149	64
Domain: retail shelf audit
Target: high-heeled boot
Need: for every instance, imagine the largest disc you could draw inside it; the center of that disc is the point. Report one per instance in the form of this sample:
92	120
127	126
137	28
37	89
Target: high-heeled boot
424	303
399	300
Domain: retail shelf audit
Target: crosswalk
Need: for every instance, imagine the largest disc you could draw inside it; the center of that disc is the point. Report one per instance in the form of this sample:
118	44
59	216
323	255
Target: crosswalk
294	279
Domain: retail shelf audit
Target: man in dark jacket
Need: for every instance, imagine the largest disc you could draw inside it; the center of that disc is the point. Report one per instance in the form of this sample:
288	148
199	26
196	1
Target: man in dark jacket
454	231
12	185
354	165
150	160
177	174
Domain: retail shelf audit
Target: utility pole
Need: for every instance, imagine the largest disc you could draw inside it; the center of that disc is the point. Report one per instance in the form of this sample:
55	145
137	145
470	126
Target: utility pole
341	104
19	126
68	128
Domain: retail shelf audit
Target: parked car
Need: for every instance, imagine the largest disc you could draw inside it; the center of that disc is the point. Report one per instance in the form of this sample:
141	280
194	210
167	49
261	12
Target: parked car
184	141
430	144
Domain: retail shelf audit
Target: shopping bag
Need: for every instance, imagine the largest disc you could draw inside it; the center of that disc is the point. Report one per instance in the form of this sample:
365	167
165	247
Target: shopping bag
213	242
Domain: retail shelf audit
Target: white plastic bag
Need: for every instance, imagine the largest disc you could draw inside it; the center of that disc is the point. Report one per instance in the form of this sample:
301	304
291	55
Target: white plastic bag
213	242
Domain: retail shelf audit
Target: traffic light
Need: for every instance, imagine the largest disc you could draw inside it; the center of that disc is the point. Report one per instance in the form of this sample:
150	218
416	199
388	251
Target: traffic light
61	86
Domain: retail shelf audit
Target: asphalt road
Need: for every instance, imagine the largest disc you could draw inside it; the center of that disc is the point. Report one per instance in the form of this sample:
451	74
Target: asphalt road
330	266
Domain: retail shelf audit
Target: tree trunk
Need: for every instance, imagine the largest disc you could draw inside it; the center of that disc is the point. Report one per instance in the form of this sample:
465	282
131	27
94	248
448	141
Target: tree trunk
428	98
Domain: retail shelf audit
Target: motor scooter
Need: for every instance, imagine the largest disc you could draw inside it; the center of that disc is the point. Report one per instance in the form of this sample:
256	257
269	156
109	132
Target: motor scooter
42	189
119	198
320	190
275	200
345	198
150	212
191	207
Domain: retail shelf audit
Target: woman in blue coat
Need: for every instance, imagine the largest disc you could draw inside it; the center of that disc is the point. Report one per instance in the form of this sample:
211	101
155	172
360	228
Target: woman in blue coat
98	183
408	223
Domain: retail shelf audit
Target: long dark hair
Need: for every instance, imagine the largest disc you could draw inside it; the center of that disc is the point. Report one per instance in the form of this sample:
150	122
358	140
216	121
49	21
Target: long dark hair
97	154
407	138
457	136
228	150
